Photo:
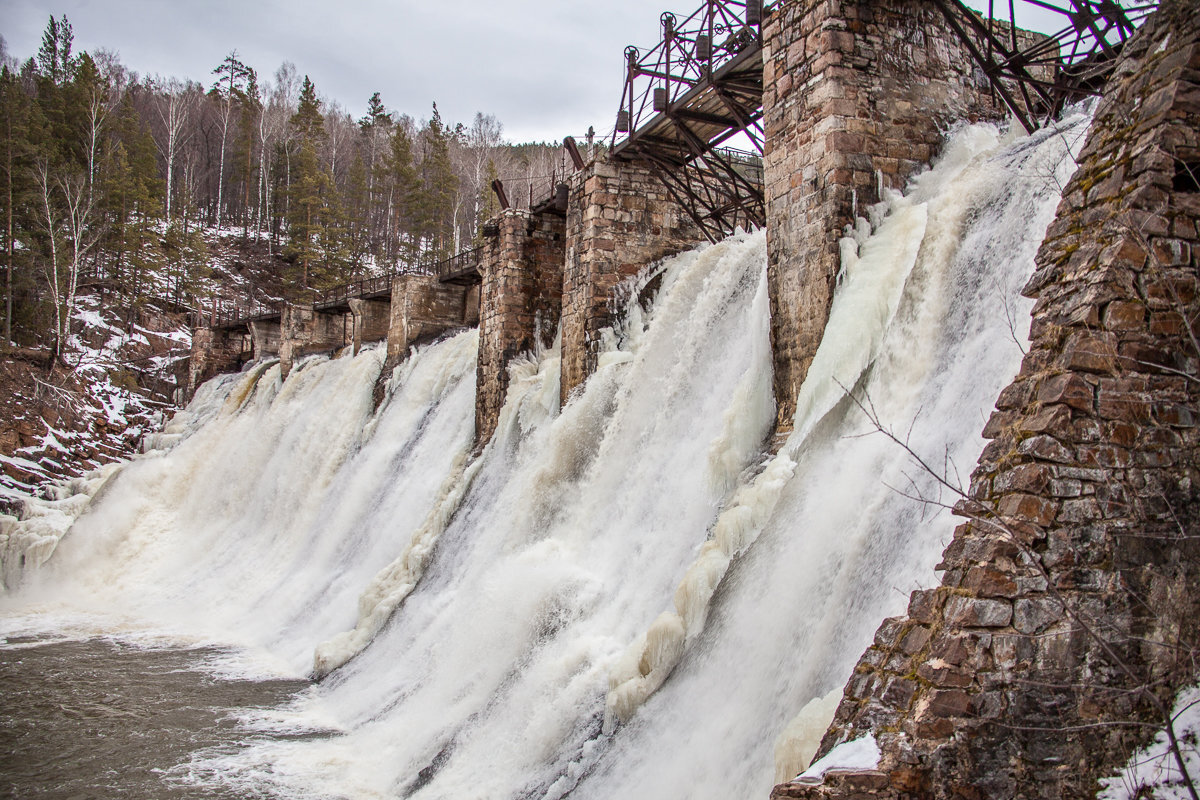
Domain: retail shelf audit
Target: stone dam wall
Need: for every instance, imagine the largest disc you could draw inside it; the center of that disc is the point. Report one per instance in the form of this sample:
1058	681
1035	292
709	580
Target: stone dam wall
1066	602
857	96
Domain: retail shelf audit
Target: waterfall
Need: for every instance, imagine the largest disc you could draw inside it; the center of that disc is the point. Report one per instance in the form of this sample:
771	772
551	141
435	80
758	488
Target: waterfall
262	525
625	598
845	544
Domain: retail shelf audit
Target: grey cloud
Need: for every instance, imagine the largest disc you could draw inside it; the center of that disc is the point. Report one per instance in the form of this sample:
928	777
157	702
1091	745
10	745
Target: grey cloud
545	68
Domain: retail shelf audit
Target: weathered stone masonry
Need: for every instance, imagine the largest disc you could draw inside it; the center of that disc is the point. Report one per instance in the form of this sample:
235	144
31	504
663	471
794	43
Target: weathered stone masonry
422	309
370	321
619	220
266	336
305	331
215	351
857	96
418	309
520	302
1072	583
536	270
1067	611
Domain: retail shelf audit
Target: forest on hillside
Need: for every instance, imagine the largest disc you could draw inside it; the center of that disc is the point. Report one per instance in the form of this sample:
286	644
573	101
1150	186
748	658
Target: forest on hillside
114	182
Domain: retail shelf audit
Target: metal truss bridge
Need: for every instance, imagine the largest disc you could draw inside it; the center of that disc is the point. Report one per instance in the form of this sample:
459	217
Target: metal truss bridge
1037	75
701	85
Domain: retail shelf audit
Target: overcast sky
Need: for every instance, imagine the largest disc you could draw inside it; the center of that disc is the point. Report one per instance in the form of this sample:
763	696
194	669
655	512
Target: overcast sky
544	68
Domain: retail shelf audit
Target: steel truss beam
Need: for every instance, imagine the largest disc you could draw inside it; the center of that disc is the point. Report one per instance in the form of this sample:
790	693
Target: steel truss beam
1036	75
695	90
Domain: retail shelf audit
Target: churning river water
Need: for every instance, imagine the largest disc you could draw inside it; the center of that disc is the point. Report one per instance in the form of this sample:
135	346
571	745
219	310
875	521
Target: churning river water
101	719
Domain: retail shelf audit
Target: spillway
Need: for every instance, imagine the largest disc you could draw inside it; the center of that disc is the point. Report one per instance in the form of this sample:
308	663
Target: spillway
631	597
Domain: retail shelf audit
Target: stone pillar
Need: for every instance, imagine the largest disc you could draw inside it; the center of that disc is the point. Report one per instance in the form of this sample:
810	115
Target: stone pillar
370	320
305	331
266	336
856	96
520	301
422	309
1069	601
471	306
215	350
619	219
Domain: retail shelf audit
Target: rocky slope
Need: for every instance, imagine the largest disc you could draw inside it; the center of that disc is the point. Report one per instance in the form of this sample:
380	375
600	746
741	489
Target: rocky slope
120	374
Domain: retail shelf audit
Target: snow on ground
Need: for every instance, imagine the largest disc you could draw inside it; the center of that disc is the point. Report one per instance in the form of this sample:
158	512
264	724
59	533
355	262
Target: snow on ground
1153	772
859	754
122	370
72	425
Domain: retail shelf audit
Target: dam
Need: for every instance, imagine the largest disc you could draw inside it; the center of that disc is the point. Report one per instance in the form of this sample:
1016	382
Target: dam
653	498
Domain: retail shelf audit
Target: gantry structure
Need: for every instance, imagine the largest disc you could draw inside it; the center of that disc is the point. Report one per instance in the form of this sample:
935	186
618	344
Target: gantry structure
701	87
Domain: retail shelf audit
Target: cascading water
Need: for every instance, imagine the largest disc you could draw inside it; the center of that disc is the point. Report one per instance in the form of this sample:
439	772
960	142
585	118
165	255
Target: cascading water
263	525
845	543
618	600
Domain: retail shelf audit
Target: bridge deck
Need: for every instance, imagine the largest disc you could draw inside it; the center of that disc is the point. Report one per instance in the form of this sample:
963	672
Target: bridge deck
717	108
695	90
461	270
235	321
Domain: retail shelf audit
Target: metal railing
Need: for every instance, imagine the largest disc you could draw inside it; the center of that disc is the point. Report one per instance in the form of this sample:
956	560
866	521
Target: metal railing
459	264
745	162
223	314
355	289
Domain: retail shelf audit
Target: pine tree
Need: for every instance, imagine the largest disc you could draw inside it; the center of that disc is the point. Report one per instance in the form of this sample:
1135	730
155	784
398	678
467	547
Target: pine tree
308	121
87	108
377	114
187	264
305	206
334	238
356	212
61	102
439	184
54	59
406	199
228	89
246	145
134	189
17	131
376	127
310	184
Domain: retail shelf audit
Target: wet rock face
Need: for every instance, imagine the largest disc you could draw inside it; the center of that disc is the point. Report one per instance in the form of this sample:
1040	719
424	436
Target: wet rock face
1069	600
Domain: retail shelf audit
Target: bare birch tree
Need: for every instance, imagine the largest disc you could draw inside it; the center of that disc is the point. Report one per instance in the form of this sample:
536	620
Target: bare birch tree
174	103
66	209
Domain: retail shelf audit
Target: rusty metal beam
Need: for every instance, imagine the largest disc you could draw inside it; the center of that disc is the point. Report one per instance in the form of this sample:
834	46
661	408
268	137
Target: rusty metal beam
706	77
710	119
1077	59
573	151
501	196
